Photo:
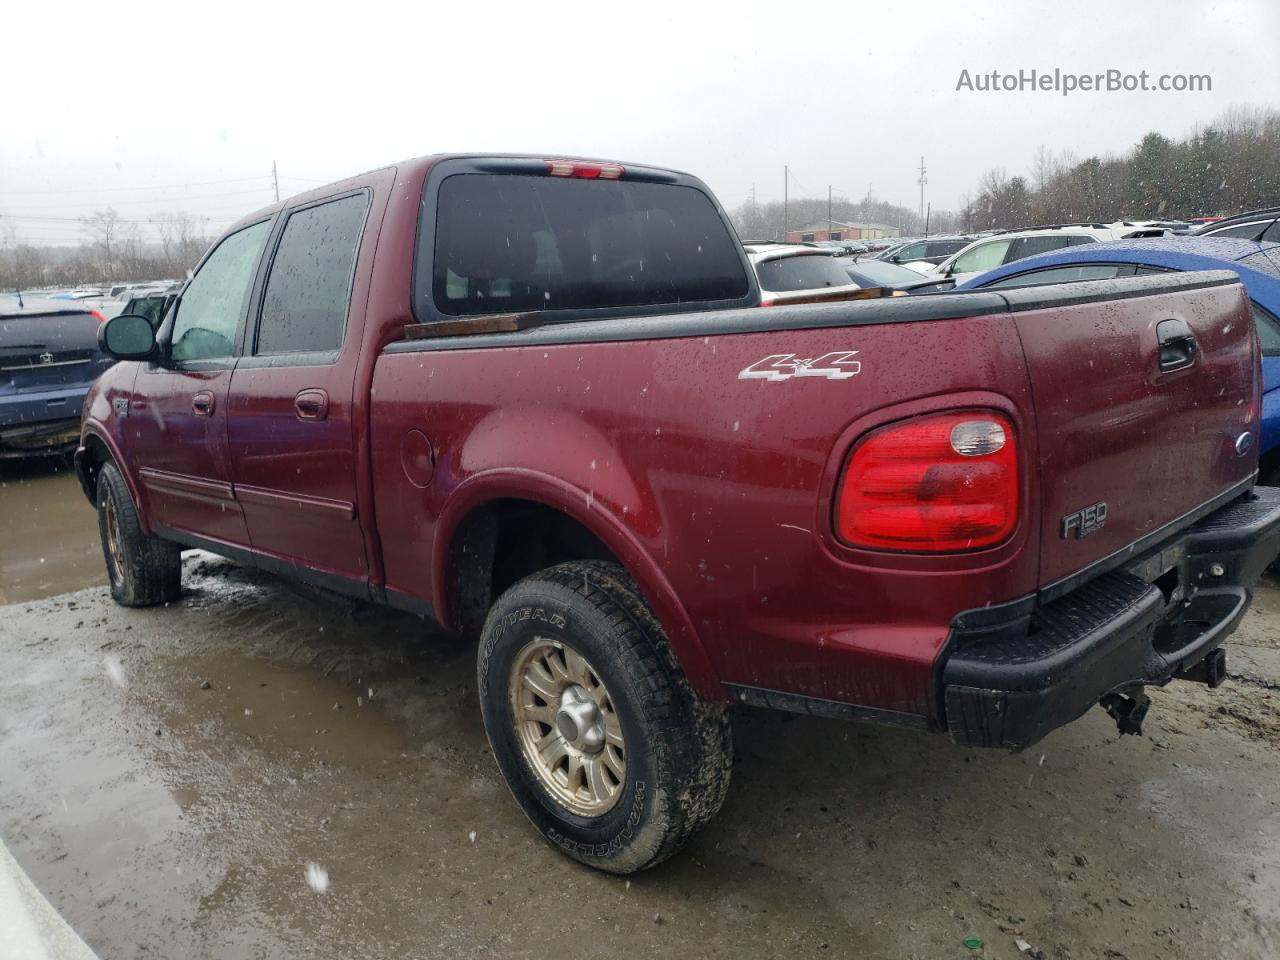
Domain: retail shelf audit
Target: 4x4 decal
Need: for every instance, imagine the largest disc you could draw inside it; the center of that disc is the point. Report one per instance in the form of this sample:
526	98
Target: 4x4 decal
837	365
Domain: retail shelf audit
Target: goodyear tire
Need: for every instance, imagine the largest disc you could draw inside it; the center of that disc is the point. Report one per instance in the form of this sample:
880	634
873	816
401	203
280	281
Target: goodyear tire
143	571
597	732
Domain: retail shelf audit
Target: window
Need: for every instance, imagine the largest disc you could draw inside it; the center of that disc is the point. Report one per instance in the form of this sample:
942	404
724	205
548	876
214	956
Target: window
1268	331
1272	233
1030	246
1084	271
985	256
837	235
806	238
1264	261
304	305
808	272
1244	231
510	243
211	307
944	248
912	251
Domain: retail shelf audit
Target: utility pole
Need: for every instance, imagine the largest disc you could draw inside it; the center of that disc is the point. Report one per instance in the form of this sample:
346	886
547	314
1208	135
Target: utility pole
786	189
922	181
928	212
829	221
275	181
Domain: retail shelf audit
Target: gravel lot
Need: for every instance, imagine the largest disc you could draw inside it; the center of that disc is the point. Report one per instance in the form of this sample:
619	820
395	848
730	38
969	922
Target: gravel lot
169	776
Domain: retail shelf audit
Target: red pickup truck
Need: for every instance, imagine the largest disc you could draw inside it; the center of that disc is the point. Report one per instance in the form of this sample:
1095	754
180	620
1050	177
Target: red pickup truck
537	401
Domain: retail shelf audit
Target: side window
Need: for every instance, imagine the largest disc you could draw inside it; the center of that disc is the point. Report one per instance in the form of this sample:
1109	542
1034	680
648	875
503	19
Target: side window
1076	239
1143	270
1245	231
304	305
911	252
212	304
1030	246
1272	233
1268	331
986	256
1084	271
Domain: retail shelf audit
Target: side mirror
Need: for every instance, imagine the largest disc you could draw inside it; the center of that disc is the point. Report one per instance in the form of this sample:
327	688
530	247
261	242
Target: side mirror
127	337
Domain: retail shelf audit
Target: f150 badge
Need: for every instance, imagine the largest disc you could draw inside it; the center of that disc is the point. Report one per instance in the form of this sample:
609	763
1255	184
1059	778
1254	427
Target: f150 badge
837	365
1084	522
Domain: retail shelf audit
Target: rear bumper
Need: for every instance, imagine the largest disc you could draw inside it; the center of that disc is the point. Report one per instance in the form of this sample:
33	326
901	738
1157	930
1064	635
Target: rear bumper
1010	680
35	420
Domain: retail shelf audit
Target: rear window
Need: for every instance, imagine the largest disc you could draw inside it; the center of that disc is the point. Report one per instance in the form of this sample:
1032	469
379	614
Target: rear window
807	272
508	243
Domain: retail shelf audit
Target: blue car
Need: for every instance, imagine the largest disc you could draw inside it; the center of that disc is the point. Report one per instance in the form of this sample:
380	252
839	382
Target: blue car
1258	265
48	360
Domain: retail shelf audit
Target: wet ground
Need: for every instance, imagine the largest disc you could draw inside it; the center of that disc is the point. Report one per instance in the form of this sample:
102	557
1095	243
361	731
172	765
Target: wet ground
260	771
49	531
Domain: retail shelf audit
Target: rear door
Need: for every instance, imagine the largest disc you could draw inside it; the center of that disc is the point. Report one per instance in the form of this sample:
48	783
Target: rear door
1143	388
177	426
291	406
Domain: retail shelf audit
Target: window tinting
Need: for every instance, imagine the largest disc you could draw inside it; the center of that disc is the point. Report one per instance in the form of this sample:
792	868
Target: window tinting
912	251
1030	246
304	306
811	272
1084	271
511	243
211	306
1245	231
945	248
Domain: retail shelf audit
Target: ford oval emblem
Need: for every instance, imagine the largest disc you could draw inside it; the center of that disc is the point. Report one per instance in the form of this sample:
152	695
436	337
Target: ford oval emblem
1244	443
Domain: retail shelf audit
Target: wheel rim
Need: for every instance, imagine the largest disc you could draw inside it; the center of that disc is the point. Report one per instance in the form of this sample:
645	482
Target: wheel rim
112	519
567	727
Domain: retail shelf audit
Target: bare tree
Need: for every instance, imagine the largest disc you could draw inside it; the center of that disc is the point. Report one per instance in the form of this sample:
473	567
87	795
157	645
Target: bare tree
103	227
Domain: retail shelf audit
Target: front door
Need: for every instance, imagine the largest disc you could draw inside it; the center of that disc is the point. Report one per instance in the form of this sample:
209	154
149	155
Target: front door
177	418
290	415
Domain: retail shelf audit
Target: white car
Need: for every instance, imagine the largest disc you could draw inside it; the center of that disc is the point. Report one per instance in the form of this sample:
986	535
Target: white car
988	253
790	273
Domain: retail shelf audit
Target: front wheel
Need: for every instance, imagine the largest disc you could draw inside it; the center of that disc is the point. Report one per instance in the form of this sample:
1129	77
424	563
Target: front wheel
143	570
601	739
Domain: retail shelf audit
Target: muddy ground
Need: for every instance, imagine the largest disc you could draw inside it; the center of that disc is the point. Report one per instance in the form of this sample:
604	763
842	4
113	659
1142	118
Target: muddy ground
167	776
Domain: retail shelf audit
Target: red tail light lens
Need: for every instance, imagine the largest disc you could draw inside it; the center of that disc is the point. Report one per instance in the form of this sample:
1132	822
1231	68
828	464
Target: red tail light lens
936	483
584	170
97	315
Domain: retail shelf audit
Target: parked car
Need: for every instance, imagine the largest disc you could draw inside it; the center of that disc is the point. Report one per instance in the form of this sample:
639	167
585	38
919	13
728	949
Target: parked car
48	360
990	252
793	273
1258	266
1256	225
535	400
928	252
152	303
881	273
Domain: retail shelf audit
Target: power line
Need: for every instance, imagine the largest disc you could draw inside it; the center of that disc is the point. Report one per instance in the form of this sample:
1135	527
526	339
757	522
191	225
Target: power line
158	186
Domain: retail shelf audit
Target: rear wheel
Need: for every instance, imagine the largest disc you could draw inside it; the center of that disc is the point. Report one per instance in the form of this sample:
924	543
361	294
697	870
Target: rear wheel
143	570
601	739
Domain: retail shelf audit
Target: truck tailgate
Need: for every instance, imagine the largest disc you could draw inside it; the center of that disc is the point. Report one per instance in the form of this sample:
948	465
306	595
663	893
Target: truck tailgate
1135	437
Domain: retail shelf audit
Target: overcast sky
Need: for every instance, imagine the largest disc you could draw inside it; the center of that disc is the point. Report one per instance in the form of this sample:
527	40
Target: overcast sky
184	106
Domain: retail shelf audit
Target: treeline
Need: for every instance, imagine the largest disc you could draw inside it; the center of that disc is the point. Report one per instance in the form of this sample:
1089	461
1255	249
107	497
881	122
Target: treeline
1226	167
114	251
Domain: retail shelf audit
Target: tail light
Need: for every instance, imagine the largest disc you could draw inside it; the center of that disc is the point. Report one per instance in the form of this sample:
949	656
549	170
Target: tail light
585	170
97	315
935	483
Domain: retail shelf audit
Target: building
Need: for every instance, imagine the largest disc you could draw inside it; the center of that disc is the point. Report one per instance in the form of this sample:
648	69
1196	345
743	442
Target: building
840	230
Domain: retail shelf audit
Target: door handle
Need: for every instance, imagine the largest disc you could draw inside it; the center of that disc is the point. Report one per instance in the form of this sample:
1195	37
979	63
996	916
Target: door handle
1177	344
312	404
202	404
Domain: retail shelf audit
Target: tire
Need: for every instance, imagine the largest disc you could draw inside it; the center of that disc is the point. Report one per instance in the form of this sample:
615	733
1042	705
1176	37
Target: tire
587	621
143	571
